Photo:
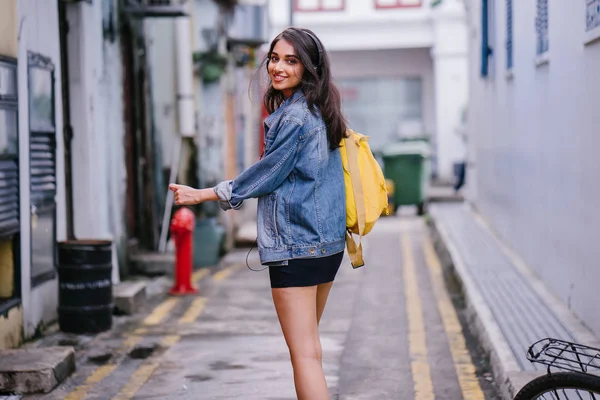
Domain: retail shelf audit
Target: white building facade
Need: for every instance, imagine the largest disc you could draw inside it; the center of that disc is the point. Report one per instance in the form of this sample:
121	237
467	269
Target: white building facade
70	116
533	137
40	42
401	66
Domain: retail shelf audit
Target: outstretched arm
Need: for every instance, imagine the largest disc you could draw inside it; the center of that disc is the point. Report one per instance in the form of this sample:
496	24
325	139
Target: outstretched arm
187	196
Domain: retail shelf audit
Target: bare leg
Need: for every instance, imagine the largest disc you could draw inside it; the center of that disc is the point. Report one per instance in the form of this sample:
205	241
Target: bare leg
322	295
298	318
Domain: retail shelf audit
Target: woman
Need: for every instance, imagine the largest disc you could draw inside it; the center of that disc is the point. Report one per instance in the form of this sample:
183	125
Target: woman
299	184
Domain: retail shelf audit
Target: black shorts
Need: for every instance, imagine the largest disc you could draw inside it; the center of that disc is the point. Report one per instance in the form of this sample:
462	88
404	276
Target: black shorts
306	271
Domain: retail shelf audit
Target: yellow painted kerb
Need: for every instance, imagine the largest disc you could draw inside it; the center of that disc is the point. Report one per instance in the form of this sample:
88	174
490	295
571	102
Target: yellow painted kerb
417	345
465	370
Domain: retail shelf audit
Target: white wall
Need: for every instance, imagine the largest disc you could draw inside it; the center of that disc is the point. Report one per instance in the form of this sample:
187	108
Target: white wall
450	59
536	140
401	63
98	146
160	35
111	123
361	26
39	34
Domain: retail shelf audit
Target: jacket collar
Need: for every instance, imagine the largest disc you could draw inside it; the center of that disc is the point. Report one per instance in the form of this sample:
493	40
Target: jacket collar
294	98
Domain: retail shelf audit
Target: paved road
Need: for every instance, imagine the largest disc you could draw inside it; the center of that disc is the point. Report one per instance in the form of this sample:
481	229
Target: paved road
390	331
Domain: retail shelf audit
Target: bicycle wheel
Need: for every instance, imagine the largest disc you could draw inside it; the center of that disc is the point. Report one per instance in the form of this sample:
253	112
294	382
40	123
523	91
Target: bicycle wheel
562	385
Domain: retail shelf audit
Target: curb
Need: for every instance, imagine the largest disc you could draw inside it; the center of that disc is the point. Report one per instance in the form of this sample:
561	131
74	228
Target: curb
480	320
508	374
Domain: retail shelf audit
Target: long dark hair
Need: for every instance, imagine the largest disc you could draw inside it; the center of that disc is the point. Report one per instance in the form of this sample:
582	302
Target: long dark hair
316	83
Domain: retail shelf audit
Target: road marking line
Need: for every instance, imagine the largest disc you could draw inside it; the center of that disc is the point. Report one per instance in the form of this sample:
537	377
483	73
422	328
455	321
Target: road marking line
198	275
194	311
421	372
225	273
96	376
169	340
137	380
161	311
465	370
132	340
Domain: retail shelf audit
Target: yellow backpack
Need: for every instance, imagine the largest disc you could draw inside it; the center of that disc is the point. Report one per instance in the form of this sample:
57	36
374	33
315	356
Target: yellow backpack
366	191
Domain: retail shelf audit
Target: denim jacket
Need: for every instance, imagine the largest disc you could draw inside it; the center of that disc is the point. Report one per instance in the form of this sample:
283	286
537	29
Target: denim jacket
299	184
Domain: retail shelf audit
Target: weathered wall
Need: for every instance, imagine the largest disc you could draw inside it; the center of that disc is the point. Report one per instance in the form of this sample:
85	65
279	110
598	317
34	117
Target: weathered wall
8	28
11	325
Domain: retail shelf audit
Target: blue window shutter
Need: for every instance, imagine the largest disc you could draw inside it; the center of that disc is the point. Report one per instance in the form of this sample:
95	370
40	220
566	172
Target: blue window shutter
485	48
509	34
593	14
541	25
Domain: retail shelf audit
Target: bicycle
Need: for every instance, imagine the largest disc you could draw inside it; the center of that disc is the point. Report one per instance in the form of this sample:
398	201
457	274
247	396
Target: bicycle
578	367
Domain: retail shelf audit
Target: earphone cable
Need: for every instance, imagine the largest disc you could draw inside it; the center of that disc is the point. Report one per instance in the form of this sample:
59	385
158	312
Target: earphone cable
248	255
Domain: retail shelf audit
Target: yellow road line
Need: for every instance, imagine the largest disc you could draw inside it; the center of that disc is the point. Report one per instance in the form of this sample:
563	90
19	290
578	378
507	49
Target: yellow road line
132	340
169	340
421	372
144	372
99	374
161	311
194	311
137	380
198	275
224	274
465	370
140	331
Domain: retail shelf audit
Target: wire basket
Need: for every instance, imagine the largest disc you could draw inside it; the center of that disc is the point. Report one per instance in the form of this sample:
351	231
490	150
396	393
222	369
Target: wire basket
565	356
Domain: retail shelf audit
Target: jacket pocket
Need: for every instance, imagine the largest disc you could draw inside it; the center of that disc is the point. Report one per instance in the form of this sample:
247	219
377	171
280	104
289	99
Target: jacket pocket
271	216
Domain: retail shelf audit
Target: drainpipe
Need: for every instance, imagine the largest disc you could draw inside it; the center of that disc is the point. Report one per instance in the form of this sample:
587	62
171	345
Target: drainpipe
63	29
185	108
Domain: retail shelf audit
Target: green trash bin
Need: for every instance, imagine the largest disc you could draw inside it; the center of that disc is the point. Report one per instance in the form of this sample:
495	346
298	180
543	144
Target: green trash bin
407	164
209	242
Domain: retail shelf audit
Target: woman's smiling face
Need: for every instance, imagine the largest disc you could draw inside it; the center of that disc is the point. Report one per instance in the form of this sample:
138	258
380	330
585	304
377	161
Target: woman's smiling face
285	68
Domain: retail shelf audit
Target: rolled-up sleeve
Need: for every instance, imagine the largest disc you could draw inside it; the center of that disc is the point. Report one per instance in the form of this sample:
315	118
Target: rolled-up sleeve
267	174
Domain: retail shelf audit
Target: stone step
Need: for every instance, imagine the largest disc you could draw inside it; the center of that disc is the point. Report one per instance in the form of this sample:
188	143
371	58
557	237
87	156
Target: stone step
28	371
152	264
129	296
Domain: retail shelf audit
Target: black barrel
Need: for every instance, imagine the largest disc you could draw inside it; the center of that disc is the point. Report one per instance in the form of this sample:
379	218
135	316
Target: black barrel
85	286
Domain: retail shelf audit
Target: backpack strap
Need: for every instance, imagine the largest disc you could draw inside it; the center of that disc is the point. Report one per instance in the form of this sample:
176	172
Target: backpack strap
355	251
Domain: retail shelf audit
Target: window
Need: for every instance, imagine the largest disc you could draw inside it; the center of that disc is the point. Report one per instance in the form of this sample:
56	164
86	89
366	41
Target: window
9	187
9	150
509	35
592	14
487	35
398	3
388	107
541	25
42	150
319	5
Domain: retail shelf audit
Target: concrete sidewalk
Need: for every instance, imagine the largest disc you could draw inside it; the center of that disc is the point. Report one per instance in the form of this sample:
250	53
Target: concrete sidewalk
509	307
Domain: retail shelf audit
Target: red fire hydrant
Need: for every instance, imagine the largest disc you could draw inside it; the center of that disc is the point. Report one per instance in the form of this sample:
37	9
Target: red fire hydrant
182	231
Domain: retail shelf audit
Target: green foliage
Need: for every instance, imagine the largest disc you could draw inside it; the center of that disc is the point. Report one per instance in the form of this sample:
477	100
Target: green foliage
211	65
